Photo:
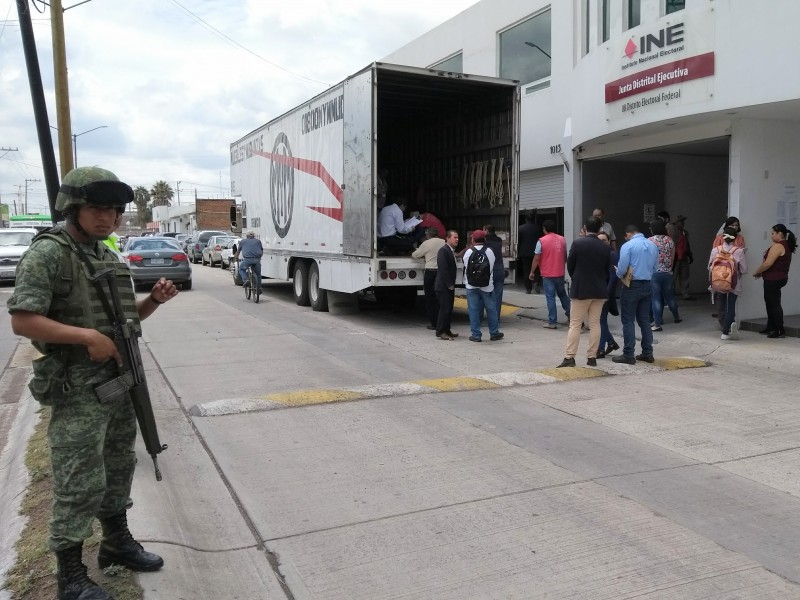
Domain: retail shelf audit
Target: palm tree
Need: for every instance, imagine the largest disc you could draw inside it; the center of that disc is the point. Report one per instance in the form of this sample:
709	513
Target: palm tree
141	197
161	193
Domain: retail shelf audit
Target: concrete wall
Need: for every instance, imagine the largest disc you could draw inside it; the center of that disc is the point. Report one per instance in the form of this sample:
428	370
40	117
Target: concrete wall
765	160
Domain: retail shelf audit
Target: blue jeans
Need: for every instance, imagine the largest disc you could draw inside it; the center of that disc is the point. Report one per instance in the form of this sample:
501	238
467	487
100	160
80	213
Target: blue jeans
246	262
729	308
553	286
497	292
606	339
663	294
477	300
635	306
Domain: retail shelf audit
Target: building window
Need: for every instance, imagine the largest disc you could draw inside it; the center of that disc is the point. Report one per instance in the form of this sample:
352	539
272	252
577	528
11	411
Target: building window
454	64
525	51
675	6
634	13
605	25
587	24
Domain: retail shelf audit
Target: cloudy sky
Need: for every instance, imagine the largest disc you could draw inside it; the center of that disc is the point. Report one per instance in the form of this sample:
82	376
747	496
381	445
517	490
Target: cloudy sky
176	81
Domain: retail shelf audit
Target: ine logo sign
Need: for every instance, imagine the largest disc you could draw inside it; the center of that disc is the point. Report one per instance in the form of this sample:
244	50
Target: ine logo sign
281	181
668	40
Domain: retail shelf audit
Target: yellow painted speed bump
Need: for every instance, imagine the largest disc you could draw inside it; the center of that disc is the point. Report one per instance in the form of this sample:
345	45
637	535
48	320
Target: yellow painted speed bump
506	310
569	373
431	386
681	362
457	384
305	397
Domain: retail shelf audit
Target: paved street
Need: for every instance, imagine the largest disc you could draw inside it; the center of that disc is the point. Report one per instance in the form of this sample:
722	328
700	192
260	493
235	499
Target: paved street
653	481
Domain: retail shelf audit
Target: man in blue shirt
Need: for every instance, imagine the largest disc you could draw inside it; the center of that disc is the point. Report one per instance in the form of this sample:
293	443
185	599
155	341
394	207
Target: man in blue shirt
251	250
639	255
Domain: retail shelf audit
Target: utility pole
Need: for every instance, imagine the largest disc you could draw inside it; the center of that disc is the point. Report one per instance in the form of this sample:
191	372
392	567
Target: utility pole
178	192
26	194
39	107
62	87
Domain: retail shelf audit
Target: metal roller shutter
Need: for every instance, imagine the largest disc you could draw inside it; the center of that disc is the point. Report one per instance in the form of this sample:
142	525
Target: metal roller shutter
541	188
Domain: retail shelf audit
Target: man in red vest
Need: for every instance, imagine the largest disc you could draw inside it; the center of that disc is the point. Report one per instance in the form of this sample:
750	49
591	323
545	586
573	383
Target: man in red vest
550	257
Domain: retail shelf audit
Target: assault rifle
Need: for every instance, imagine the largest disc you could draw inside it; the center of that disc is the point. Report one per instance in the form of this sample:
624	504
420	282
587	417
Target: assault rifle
131	379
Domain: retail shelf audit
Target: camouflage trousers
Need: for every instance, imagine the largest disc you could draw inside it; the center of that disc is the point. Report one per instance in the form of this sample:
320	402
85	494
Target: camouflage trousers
93	460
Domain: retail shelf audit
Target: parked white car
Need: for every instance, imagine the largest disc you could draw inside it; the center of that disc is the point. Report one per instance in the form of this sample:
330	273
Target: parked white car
228	252
13	243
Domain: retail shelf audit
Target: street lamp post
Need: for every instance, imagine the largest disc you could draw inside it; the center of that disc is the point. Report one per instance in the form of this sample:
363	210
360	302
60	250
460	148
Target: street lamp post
75	142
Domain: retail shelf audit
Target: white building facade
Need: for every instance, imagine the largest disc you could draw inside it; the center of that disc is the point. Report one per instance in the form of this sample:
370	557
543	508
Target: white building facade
640	106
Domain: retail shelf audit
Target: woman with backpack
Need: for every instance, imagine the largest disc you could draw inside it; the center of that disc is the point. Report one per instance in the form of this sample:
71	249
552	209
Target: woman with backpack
729	222
726	266
775	273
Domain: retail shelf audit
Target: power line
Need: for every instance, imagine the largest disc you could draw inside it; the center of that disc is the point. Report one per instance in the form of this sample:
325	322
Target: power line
235	43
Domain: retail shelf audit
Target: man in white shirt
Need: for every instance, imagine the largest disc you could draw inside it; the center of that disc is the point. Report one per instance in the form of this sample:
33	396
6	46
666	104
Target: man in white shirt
606	226
392	226
480	297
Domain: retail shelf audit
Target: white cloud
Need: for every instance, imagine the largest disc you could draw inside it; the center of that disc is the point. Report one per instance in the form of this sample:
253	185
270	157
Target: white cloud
175	94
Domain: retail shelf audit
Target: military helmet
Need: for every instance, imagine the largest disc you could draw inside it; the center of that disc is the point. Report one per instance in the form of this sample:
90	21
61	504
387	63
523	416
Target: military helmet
95	186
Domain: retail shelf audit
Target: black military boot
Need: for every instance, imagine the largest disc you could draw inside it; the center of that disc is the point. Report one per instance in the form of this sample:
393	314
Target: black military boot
119	548
73	581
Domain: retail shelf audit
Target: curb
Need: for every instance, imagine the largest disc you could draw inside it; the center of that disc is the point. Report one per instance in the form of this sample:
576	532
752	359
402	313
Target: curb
280	400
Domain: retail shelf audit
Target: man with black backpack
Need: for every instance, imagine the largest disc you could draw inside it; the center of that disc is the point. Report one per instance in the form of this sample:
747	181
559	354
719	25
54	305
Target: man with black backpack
478	266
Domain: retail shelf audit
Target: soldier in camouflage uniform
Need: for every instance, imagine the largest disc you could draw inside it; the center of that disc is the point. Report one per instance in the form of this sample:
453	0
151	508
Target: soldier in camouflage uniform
92	443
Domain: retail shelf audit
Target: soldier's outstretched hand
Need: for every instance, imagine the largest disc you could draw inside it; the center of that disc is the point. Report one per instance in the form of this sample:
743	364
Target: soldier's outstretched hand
163	291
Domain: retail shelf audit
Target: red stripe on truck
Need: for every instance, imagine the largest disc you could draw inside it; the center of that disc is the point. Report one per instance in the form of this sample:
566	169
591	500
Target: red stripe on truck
315	168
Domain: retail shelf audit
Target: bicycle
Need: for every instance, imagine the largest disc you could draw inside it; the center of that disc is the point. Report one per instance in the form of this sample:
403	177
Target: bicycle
252	289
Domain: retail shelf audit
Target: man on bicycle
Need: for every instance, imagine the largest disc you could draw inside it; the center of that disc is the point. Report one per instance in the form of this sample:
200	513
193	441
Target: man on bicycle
251	250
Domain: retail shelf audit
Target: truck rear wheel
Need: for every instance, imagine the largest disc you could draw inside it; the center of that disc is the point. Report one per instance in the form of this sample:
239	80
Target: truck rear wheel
300	283
317	296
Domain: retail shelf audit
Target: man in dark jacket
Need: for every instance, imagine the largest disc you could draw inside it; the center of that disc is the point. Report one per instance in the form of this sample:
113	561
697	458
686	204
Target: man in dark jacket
588	265
445	285
495	242
529	234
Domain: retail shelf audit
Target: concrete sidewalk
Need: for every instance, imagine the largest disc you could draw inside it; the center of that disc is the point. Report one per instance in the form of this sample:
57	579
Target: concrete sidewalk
505	490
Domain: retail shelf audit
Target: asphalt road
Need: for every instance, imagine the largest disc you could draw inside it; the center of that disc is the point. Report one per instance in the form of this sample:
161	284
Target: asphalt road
640	483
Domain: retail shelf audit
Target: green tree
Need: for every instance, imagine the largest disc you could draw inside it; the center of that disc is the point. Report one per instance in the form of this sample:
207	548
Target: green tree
141	198
161	193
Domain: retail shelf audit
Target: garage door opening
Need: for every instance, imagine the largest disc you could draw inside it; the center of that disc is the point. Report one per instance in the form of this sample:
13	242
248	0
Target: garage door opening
690	179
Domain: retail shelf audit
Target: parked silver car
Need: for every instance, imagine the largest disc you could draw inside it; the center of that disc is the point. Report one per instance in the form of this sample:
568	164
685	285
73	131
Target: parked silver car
13	243
212	253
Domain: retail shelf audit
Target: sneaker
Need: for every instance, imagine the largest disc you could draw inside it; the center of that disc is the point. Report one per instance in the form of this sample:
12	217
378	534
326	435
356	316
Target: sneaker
497	336
550	326
725	336
647	359
624	359
734	332
567	362
591	362
612	347
656	328
472	338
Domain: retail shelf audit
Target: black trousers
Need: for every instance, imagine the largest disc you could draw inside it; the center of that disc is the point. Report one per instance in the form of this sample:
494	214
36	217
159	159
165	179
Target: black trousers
431	302
772	300
445	300
527	262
